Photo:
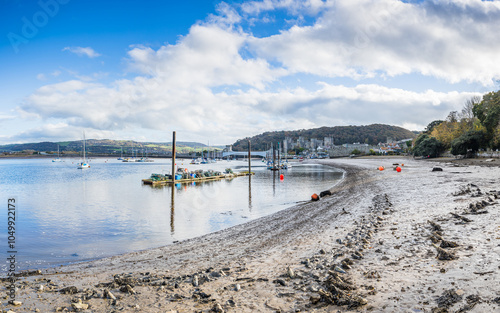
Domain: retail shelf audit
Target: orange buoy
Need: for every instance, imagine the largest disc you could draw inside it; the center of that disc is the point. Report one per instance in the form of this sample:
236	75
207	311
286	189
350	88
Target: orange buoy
398	169
402	164
314	197
381	168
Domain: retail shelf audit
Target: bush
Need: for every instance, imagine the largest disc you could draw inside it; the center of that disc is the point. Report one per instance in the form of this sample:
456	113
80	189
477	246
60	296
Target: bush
428	146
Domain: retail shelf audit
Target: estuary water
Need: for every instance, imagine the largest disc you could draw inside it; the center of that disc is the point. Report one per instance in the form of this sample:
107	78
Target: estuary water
67	215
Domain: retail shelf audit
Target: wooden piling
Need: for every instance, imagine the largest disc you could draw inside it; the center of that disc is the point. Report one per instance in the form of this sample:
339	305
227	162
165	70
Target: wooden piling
173	158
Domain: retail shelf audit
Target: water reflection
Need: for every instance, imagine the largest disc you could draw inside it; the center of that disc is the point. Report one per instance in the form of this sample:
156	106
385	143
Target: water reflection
172	211
250	193
70	215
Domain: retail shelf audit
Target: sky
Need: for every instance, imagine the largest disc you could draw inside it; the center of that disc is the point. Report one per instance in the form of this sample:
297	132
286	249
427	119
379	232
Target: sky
218	71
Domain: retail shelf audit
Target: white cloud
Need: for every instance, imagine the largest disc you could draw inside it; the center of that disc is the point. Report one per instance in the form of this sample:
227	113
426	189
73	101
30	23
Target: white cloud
451	40
81	51
209	56
219	81
5	117
56	132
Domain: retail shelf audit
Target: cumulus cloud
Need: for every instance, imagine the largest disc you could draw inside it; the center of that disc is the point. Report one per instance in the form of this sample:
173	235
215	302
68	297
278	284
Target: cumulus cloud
452	40
81	51
221	82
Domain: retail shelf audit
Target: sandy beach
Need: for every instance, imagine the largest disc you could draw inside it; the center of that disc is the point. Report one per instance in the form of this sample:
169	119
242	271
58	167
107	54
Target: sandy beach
383	241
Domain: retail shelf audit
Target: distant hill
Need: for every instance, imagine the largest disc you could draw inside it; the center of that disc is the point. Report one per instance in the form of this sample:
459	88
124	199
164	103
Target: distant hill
370	134
104	146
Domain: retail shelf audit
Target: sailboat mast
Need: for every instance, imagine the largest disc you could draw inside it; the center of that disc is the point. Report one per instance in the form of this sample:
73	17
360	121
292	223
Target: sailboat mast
84	147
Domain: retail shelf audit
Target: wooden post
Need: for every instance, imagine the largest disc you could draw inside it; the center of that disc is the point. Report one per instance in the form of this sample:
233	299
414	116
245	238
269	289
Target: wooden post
274	158
279	155
249	158
173	159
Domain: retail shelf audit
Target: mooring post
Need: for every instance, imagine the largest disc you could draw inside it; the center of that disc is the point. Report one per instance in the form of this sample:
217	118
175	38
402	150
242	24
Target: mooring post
173	159
249	158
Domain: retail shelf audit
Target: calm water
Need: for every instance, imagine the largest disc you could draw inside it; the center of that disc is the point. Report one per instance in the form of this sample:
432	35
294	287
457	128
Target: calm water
67	215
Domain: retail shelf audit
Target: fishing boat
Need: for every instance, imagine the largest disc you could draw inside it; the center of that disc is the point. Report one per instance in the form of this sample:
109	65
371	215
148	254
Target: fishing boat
58	159
83	165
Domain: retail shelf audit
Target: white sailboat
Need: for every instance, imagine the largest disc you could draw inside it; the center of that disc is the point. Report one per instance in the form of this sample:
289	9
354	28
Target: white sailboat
84	164
58	159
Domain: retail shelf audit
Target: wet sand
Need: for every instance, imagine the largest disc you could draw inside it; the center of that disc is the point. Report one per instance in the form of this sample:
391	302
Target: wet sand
372	246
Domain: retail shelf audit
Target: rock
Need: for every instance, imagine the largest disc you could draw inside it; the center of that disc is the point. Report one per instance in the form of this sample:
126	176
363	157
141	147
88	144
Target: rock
339	270
448	244
443	254
217	308
448	298
79	305
437	169
128	289
16	303
280	282
195	281
325	193
237	287
108	294
290	272
69	290
435	226
201	295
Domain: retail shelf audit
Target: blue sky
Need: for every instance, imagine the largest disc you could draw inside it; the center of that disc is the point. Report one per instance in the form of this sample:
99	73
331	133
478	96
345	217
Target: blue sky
219	71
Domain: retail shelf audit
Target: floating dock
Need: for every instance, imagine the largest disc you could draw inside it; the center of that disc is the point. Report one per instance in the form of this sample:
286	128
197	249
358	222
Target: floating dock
156	182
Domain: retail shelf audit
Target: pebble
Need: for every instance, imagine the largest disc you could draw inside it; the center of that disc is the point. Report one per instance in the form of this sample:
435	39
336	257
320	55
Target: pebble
79	305
109	295
217	308
280	281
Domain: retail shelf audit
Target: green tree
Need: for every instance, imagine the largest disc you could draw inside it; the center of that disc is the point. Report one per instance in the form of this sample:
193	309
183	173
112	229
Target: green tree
356	152
427	146
488	113
469	143
431	126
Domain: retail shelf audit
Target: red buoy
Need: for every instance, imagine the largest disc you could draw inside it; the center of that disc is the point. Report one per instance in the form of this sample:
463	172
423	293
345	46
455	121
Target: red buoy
398	169
282	177
314	197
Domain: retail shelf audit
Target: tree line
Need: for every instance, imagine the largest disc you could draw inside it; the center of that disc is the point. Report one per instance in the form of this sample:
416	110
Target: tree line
475	127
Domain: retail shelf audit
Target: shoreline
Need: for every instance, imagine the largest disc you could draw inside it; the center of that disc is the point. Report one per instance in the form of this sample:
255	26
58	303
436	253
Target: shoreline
284	262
